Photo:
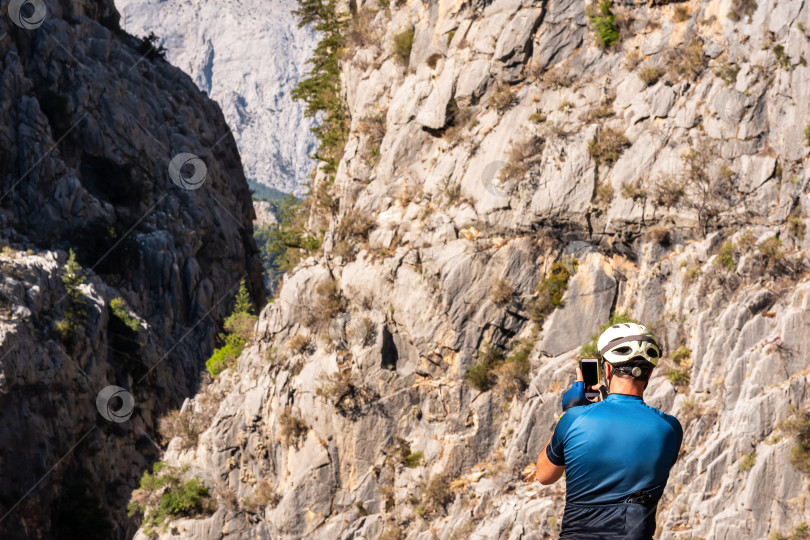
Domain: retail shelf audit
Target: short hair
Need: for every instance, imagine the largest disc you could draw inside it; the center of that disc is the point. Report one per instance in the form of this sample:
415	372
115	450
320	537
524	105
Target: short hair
625	370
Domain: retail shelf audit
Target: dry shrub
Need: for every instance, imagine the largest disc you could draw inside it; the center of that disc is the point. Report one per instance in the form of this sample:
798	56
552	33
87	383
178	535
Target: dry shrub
433	59
513	373
667	190
632	58
681	13
607	146
660	235
451	191
633	190
688	61
410	192
502	98
298	344
293	428
373	126
742	8
362	332
360	32
521	157
501	292
649	75
263	496
183	425
689	411
436	495
708	190
603	193
459	120
556	77
329	304
342	390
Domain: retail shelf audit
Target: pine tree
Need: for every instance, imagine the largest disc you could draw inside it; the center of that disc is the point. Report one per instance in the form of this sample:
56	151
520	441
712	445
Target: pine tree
76	313
243	303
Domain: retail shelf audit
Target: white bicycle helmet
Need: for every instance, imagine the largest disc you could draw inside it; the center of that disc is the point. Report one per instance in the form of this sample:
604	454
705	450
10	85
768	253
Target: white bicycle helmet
632	343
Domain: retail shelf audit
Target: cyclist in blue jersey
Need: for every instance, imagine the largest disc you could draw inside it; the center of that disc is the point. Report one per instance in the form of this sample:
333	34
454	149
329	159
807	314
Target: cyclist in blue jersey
616	452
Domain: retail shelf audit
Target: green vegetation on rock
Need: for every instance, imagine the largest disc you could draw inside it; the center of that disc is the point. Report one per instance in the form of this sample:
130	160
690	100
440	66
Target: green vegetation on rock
604	23
239	329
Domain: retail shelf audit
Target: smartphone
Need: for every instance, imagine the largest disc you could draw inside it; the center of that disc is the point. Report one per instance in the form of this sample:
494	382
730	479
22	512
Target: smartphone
590	375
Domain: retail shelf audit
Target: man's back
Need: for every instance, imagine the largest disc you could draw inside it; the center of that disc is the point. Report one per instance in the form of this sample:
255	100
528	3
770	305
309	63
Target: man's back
612	450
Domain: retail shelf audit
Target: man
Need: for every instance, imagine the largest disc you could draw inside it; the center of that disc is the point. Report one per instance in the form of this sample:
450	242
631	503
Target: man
616	453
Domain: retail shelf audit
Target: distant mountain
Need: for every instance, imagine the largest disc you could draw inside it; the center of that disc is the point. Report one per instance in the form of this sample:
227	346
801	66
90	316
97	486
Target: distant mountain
247	55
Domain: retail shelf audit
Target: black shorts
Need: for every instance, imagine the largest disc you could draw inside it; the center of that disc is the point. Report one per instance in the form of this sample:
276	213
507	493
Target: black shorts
625	521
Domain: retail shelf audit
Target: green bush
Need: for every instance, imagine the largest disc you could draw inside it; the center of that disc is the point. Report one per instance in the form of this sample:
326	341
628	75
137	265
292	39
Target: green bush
285	243
681	355
239	330
550	292
119	310
679	376
726	257
748	461
163	495
414	459
480	376
795	225
403	42
771	249
604	23
807	135
799	425
781	57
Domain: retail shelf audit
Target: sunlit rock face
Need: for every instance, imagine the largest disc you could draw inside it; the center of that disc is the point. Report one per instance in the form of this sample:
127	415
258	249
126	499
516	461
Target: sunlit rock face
247	55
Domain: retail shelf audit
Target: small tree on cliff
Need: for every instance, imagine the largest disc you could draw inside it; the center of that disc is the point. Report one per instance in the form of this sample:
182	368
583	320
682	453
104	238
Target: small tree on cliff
76	313
239	330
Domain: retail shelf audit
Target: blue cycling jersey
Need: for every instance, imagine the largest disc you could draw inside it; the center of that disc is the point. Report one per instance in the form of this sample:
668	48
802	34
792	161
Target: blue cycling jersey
614	448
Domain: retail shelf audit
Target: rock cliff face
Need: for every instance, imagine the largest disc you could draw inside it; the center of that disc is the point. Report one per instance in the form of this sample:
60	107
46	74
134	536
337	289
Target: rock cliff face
666	173
91	118
248	56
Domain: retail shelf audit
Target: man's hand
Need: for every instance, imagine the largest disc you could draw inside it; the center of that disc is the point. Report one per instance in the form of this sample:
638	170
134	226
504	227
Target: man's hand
575	396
